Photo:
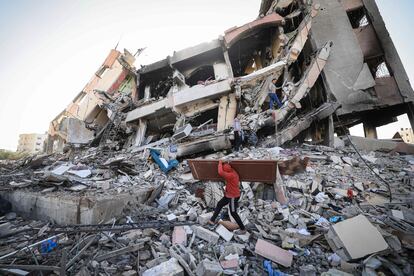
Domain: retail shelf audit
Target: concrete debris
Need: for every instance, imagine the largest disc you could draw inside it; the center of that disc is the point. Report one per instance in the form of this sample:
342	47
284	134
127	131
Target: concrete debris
117	193
208	268
224	233
273	252
179	236
170	267
206	234
355	238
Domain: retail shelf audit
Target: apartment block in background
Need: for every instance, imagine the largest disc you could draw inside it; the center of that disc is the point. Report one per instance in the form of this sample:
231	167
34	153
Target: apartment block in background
31	143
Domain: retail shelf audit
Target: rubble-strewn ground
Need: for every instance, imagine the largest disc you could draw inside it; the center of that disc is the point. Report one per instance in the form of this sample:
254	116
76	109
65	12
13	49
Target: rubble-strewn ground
318	198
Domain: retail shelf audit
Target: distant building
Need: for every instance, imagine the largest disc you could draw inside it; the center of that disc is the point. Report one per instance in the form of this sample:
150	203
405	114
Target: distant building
405	134
31	143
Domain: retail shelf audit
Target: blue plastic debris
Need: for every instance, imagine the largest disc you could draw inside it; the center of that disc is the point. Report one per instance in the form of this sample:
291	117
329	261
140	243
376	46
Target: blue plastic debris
173	148
336	219
164	165
48	245
267	265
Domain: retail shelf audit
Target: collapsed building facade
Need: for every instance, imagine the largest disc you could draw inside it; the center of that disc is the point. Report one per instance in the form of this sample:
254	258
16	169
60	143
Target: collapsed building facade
96	106
328	57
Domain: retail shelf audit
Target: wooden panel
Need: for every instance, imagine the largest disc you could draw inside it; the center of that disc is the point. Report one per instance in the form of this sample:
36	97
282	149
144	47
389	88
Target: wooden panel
248	170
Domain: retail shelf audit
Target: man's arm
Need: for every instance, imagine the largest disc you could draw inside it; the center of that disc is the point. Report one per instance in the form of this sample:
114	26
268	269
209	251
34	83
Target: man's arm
221	172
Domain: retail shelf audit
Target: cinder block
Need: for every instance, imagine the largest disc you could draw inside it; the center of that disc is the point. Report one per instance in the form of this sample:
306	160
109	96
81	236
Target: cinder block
224	233
179	236
206	234
208	268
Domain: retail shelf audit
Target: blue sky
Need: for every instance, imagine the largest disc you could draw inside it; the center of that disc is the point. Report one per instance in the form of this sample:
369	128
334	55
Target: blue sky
49	49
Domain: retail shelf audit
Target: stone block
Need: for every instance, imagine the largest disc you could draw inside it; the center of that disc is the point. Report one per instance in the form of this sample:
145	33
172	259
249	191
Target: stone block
179	235
168	268
206	234
230	264
208	268
224	233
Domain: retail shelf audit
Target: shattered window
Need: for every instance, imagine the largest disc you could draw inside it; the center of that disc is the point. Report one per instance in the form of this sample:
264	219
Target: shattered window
382	71
358	18
364	21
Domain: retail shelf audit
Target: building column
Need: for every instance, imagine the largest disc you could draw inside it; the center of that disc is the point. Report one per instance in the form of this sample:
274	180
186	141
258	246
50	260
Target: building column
226	112
228	62
140	134
370	130
328	137
49	144
410	114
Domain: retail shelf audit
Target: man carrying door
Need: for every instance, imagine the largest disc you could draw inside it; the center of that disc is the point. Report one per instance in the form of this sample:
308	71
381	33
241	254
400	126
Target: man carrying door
231	195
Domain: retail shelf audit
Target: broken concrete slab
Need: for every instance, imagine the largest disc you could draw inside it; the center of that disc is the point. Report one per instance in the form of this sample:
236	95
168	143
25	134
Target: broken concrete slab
209	268
81	173
273	252
224	233
179	235
71	208
369	144
76	131
206	234
61	169
355	238
168	268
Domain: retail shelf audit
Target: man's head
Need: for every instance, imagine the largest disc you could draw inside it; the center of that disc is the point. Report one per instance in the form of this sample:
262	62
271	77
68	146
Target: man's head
227	168
274	81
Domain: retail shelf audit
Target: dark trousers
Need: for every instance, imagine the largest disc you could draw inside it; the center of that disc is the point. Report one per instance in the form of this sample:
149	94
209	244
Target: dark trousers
233	204
237	140
274	99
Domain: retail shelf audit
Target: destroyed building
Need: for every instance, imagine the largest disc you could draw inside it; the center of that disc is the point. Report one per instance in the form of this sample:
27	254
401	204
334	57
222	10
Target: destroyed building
404	135
131	178
193	95
95	107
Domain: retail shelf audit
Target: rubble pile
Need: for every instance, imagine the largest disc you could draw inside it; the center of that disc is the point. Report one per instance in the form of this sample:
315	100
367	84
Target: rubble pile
130	180
312	232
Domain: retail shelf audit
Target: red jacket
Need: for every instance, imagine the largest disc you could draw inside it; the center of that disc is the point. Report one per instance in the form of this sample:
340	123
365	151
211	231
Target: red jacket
232	180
